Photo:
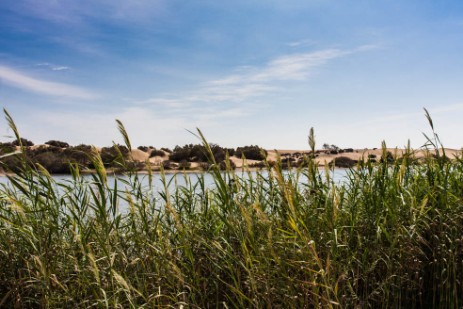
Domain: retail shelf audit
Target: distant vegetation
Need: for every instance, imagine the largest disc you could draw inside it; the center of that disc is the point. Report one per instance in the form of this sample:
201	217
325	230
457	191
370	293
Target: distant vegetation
23	142
155	152
57	156
198	153
114	156
251	152
143	148
57	144
344	162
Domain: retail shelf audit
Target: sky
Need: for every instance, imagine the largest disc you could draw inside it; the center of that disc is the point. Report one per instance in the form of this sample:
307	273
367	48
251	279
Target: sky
254	72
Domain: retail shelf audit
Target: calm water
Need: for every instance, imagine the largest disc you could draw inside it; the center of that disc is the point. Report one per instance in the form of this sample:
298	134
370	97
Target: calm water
174	181
181	179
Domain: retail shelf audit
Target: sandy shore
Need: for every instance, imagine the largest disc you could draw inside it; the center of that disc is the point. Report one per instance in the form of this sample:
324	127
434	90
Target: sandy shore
322	157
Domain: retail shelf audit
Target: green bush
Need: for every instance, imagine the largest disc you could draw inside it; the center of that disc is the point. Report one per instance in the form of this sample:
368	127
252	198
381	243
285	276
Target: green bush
7	148
223	165
168	165
114	156
184	165
197	153
79	154
344	162
251	152
389	158
10	164
57	144
53	162
25	142
157	153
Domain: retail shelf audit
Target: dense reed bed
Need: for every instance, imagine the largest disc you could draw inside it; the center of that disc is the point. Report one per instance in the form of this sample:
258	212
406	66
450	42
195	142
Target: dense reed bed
389	236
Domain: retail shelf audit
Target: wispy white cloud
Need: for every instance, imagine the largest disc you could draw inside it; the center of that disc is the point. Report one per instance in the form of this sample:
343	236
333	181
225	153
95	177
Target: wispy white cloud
62	68
299	43
164	102
249	83
53	67
297	66
291	67
23	81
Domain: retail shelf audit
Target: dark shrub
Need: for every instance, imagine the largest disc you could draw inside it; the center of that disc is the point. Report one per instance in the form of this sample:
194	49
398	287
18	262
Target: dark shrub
343	162
389	158
166	150
10	164
53	162
231	151
143	148
303	162
57	144
157	153
218	152
184	165
24	142
204	166
349	150
42	149
371	156
258	165
197	153
181	153
168	165
79	154
83	147
409	160
223	165
53	159
114	155
289	159
6	148
251	152
333	152
131	165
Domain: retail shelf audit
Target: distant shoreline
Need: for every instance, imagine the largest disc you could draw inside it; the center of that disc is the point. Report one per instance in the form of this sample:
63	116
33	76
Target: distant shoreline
289	158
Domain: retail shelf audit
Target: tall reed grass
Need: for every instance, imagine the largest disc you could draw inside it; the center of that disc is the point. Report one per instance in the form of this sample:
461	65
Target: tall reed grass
390	236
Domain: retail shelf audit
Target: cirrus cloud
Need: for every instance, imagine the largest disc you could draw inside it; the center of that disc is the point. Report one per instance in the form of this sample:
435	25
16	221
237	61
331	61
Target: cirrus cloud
23	81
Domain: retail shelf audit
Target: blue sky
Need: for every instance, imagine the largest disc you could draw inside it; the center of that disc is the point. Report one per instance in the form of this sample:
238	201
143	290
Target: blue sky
245	72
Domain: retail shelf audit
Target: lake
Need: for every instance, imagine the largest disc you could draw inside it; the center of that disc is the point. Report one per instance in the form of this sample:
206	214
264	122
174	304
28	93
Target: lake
177	180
